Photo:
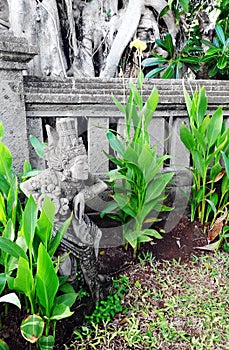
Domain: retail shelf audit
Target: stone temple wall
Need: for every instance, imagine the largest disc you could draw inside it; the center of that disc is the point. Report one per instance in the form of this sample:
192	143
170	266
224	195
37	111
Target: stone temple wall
28	103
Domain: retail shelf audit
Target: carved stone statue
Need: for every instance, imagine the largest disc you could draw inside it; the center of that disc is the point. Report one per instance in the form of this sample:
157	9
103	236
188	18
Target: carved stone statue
4	16
69	184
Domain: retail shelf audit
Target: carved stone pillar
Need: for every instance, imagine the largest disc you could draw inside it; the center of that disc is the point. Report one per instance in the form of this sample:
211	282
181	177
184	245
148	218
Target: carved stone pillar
14	55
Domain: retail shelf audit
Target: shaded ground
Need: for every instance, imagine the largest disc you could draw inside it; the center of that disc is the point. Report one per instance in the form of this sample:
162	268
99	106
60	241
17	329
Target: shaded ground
180	243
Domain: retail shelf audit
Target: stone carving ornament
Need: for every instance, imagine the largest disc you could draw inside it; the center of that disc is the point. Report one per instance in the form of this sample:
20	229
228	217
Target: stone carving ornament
69	184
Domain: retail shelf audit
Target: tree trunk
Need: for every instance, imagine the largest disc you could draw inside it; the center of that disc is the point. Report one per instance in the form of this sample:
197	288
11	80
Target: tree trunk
125	34
85	38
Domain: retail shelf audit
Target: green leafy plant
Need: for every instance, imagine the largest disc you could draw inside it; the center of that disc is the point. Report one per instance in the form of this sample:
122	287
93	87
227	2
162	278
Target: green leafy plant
178	7
205	138
223	7
138	182
174	63
31	269
105	310
217	56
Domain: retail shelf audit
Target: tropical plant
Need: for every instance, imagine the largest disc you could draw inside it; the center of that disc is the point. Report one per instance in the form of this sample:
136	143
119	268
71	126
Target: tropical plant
105	310
223	7
205	138
28	265
178	6
36	272
138	182
217	56
173	65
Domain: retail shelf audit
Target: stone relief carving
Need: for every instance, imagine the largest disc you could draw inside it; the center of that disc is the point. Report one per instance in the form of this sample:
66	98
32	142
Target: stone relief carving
69	184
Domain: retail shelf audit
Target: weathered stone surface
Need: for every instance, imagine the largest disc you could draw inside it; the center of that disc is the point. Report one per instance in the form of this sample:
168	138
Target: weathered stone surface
14	53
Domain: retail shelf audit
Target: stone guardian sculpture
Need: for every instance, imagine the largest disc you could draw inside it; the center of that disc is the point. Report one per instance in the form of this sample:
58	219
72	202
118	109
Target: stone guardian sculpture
69	184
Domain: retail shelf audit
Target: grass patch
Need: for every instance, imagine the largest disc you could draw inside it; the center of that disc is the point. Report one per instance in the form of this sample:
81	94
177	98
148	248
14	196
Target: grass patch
169	306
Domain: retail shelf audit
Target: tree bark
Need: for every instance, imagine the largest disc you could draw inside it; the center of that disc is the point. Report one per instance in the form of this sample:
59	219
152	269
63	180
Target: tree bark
86	38
39	24
125	34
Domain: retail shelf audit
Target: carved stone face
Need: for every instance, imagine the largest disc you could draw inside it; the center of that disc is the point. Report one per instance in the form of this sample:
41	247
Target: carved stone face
80	168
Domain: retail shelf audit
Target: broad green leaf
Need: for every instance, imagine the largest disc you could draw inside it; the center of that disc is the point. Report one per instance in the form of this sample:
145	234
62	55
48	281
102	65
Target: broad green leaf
168	73
185	5
154	168
145	160
129	211
169	44
31	173
46	221
12	200
24	281
66	299
38	146
157	186
154	72
140	78
164	11
119	105
201	106
212	204
3	345
131	156
153	61
199	139
215	171
121	199
226	162
198	162
46	342
188	101
149	108
47	280
153	233
187	138
222	62
12	248
61	311
115	143
11	298
131	115
3	279
143	239
32	328
5	161
213	71
29	221
109	208
114	160
161	43
204	125
215	126
27	167
132	238
220	34
4	186
58	237
136	95
3	217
